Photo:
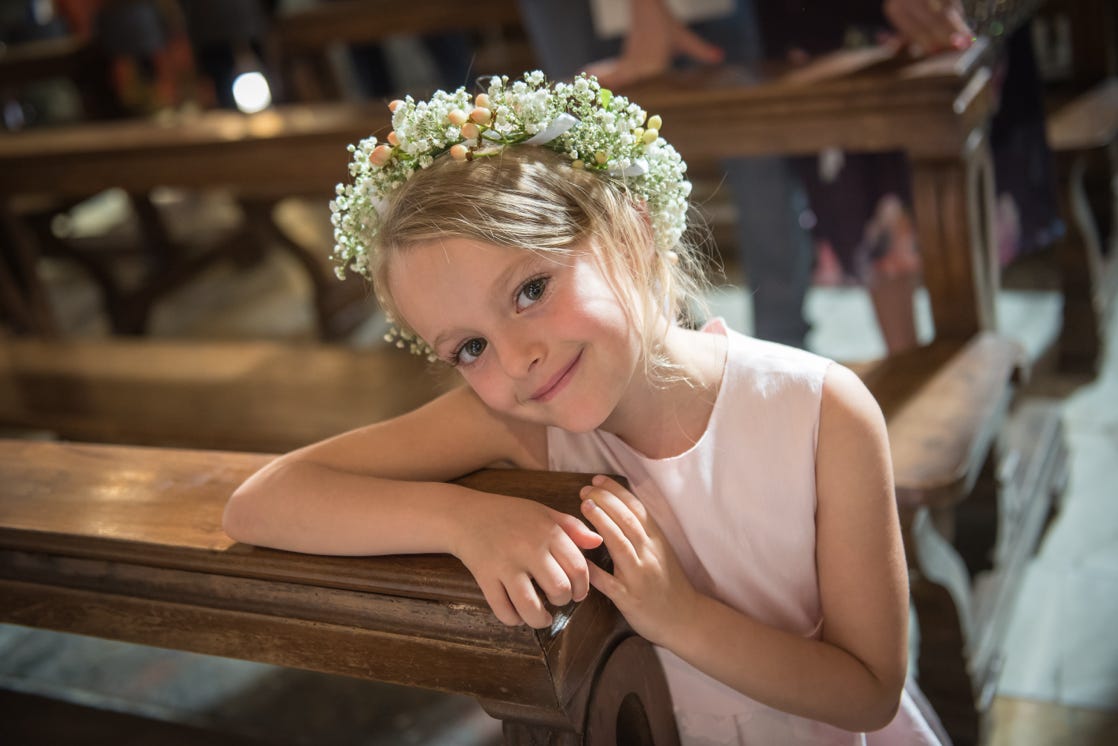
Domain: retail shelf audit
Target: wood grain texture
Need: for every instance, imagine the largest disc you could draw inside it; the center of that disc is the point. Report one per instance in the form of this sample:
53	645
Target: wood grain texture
245	395
126	543
944	404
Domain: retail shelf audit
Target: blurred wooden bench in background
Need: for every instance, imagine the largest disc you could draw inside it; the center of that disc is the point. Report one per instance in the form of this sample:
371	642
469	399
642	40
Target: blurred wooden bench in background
78	60
248	396
301	38
1083	135
261	158
126	544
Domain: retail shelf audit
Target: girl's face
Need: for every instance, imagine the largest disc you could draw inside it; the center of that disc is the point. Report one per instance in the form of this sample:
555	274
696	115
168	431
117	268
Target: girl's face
540	337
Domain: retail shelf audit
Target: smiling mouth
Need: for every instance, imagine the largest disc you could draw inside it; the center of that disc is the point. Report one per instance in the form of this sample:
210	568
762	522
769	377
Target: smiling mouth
556	384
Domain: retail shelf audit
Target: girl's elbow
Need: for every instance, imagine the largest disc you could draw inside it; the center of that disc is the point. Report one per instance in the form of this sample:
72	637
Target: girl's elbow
245	509
884	707
240	516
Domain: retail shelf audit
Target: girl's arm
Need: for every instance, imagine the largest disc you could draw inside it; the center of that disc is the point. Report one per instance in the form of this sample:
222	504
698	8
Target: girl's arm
381	490
851	678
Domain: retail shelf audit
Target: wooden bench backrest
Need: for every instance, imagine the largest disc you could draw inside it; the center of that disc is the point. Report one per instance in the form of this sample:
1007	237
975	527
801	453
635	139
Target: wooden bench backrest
256	396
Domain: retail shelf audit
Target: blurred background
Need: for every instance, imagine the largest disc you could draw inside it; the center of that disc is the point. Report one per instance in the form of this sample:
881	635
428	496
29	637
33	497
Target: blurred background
198	246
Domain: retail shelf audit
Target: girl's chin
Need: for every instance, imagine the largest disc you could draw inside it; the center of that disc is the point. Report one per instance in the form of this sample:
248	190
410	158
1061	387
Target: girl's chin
571	421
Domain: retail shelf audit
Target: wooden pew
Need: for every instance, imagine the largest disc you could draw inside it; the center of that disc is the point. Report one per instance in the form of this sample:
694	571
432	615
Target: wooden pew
262	158
978	476
126	543
1083	135
79	60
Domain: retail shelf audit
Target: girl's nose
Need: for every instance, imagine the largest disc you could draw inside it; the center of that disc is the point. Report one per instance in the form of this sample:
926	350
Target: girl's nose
520	356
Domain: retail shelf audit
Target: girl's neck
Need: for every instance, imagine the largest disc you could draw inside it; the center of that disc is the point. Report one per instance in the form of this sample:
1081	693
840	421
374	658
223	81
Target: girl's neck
661	419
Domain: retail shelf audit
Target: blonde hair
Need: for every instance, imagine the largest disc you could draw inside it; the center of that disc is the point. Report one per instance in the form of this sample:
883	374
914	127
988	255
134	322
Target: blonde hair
533	199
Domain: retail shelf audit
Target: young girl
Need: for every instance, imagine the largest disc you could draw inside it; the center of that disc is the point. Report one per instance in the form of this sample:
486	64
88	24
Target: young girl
532	239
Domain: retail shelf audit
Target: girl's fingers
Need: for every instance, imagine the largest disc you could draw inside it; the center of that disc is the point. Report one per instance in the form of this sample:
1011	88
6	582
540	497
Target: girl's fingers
628	498
502	607
620	547
574	567
553	580
526	599
624	510
578	531
604	582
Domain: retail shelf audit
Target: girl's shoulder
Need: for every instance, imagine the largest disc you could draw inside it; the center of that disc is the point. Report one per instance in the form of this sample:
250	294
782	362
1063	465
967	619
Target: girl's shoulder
768	362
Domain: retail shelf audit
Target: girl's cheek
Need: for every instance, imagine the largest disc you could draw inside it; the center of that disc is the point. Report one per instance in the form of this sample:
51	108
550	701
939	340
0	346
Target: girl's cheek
486	389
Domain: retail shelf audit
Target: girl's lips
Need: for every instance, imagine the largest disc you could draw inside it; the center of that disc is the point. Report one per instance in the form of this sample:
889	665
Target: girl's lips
556	384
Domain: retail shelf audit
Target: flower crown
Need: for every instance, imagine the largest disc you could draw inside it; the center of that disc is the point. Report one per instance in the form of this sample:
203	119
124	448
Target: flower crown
599	131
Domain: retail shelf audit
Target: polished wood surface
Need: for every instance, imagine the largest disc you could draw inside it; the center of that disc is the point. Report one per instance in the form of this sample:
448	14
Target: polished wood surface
967	565
243	395
281	151
944	404
126	543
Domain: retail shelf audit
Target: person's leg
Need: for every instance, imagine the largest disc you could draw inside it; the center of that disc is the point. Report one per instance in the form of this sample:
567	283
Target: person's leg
776	252
775	249
862	210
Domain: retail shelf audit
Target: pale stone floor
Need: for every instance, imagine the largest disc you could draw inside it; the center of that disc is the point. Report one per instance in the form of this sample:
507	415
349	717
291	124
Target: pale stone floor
1059	685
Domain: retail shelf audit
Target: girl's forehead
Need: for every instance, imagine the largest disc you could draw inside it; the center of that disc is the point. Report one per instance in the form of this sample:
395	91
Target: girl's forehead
458	257
451	257
431	280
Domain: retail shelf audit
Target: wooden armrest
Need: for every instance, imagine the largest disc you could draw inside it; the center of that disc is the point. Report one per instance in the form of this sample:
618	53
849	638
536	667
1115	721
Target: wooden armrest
126	543
944	404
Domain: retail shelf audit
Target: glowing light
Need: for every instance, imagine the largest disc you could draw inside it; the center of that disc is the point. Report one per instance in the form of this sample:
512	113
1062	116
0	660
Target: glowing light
251	92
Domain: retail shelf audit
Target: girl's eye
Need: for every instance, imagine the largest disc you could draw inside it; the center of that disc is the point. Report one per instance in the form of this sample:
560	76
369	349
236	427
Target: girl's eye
470	350
531	292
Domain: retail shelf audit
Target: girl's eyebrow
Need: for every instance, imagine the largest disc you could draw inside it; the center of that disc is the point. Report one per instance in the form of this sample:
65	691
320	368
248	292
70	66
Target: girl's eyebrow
498	288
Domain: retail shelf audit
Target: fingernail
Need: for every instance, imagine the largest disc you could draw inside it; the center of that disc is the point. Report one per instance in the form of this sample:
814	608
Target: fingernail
584	492
589	504
598	479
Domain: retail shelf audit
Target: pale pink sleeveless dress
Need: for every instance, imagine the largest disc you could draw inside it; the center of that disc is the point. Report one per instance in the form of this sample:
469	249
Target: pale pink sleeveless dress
739	510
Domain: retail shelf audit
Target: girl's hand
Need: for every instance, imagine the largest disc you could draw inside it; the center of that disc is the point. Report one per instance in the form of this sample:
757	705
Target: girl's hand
648	584
513	546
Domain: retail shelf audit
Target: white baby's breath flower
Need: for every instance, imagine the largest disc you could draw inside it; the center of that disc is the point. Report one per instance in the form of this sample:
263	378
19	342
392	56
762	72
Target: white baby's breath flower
606	137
